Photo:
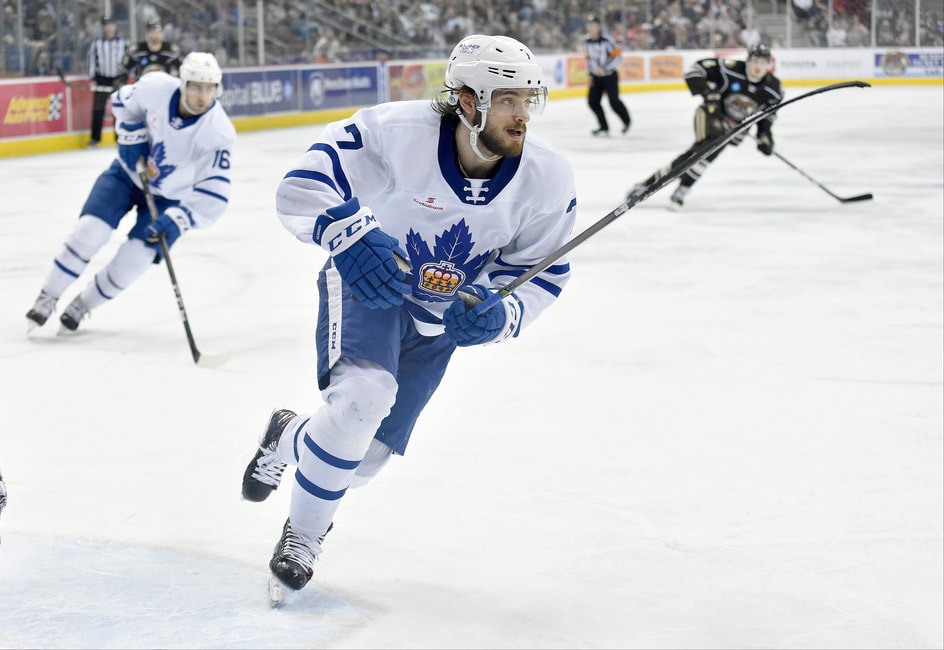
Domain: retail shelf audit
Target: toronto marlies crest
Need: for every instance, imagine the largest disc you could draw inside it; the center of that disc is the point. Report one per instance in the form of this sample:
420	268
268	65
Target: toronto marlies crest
157	169
445	268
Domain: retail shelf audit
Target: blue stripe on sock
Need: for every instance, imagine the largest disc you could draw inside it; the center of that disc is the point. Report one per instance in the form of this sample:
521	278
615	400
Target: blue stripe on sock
314	490
298	430
324	456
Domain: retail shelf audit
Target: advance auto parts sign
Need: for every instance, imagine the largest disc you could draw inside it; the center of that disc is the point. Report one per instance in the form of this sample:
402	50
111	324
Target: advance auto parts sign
32	109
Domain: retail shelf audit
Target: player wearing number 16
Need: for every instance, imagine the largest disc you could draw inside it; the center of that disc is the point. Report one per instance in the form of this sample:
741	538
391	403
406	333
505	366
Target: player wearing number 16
182	131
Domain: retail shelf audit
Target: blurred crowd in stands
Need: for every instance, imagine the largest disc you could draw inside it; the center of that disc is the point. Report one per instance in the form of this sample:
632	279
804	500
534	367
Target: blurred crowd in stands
55	34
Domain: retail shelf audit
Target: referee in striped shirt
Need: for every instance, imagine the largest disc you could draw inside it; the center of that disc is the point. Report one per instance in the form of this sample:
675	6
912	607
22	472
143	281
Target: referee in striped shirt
105	54
603	62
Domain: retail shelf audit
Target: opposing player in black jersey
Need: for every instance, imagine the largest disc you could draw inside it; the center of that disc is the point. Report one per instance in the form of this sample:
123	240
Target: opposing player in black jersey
731	90
153	53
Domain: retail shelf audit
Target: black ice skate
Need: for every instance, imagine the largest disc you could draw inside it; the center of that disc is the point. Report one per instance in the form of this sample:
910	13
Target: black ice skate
264	472
73	315
678	198
293	561
44	306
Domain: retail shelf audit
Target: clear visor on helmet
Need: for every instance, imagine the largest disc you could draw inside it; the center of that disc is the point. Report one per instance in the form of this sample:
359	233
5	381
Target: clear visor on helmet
509	101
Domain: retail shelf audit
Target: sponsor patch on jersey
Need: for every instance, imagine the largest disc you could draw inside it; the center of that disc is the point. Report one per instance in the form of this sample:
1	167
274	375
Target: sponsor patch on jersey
427	202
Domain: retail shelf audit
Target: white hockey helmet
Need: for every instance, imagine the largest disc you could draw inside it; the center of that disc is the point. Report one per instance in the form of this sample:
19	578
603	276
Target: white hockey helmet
485	63
201	67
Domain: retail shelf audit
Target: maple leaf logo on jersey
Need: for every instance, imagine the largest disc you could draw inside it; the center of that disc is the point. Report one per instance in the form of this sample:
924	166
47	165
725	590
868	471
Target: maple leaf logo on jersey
157	170
445	268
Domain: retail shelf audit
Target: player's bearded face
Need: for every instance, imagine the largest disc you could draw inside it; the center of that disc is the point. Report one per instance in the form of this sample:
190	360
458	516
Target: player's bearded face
507	122
200	96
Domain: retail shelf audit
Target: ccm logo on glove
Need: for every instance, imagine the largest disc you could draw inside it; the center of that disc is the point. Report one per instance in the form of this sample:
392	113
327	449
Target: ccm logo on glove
337	234
369	260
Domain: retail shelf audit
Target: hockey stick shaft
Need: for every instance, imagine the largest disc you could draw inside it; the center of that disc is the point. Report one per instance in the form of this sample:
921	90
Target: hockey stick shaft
141	169
847	199
706	149
83	86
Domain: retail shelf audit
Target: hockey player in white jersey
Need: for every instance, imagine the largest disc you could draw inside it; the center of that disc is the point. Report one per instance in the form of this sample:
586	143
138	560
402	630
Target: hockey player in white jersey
459	188
187	139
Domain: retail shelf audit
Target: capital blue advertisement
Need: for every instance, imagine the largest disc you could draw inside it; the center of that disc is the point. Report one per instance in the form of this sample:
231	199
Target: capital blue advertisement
260	92
265	91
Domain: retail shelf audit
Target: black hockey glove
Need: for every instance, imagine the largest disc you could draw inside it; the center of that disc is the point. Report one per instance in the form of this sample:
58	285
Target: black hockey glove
765	143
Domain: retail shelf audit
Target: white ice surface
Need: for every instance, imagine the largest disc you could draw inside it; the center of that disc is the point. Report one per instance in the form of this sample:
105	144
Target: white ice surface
727	433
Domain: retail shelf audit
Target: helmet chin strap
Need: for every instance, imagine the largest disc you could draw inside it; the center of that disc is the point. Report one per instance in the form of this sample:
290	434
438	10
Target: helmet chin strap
474	133
183	99
183	102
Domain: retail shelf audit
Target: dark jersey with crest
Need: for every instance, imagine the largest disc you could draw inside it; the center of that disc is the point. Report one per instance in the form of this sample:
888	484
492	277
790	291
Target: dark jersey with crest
139	60
739	97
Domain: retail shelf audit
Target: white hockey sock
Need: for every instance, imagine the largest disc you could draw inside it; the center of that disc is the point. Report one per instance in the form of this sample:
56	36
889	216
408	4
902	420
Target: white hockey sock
129	263
327	461
335	440
292	438
86	239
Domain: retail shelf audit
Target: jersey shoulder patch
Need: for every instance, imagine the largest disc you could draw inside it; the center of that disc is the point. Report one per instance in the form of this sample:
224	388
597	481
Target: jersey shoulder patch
730	63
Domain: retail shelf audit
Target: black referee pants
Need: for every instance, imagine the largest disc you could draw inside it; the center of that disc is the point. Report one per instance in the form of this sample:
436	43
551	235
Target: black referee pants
103	89
609	86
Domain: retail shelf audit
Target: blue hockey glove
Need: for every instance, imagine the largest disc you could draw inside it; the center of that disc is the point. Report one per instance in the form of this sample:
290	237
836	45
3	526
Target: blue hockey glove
765	143
173	223
493	320
365	256
132	142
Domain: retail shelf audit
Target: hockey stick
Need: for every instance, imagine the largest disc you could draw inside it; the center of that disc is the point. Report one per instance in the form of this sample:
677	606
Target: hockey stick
206	361
77	86
661	180
841	199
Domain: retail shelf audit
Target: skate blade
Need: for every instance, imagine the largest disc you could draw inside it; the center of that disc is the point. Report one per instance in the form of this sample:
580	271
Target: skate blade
277	591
